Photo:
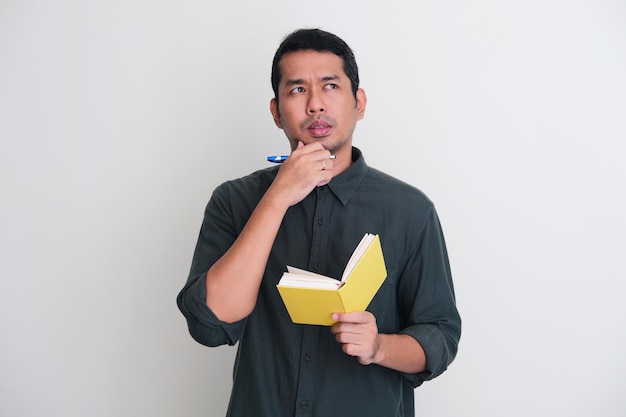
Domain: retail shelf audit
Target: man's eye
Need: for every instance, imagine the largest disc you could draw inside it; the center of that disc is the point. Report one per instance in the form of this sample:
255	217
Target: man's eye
298	90
330	86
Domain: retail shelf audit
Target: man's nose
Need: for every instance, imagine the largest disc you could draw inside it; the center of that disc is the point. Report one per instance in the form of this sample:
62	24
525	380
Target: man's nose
315	104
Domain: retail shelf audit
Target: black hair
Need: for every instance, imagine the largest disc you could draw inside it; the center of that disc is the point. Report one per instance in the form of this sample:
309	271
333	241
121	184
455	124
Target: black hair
320	41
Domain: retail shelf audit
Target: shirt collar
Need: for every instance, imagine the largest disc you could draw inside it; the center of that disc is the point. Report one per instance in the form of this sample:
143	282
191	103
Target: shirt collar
346	183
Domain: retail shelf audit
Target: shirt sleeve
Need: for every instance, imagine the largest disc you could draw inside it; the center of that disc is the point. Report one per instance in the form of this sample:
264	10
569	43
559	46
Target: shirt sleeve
428	299
217	234
204	326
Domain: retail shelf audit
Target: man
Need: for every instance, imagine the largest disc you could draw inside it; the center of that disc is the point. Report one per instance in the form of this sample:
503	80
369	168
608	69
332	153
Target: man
310	213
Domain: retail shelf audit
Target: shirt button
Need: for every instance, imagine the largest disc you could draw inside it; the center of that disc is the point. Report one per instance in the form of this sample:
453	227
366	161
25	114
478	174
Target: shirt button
307	357
304	405
316	267
320	221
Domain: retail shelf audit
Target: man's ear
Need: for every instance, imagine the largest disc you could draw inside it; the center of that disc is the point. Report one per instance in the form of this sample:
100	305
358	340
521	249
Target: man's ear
361	103
275	113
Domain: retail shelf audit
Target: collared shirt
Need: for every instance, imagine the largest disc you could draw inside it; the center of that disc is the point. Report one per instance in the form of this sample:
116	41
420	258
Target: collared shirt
287	369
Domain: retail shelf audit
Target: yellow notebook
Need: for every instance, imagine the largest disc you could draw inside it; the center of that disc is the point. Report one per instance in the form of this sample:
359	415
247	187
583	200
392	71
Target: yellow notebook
311	298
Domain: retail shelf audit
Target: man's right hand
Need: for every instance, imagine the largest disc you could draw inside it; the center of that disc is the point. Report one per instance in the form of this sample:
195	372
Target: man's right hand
307	167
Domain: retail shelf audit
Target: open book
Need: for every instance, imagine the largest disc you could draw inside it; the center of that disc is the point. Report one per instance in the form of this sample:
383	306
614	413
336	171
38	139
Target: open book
311	298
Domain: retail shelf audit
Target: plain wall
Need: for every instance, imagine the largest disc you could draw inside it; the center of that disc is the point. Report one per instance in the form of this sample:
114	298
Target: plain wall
119	118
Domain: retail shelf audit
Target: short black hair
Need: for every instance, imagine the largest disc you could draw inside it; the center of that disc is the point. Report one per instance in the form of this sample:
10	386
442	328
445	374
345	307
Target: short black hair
320	41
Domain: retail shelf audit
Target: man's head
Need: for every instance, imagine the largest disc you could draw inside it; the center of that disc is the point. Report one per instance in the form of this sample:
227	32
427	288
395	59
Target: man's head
320	41
317	93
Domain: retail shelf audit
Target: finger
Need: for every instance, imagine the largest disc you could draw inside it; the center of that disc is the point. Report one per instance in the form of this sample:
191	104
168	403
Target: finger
326	164
358	317
351	337
355	350
312	150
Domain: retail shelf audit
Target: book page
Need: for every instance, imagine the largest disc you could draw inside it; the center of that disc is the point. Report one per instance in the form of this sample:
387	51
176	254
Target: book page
296	277
365	242
301	281
292	270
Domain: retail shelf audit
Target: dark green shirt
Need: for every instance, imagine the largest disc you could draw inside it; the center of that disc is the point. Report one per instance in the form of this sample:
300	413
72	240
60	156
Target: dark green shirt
286	369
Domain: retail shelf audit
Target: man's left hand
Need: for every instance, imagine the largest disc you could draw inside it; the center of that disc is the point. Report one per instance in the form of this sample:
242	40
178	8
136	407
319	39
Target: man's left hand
358	333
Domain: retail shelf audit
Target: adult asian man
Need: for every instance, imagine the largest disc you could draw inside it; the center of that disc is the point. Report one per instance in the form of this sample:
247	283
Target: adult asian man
311	212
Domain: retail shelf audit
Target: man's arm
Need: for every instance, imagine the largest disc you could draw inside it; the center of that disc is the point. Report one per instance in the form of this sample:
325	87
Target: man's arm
359	335
233	282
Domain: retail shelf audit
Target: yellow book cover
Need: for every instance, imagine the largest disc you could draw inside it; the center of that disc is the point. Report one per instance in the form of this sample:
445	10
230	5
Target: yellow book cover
311	298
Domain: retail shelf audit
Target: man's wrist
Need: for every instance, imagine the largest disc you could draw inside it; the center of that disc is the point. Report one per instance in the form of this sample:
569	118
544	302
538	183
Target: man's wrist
378	354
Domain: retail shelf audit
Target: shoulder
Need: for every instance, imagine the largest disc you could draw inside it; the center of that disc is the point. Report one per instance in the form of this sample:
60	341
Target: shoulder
397	190
241	195
250	185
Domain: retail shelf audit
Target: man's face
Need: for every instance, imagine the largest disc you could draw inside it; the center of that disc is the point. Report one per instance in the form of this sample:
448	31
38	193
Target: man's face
315	101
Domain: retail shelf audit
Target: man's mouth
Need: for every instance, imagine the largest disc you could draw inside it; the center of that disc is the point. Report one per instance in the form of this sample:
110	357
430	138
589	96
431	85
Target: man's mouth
319	128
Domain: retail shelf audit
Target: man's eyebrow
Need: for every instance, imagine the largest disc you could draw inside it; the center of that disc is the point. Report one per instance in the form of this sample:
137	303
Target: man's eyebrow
294	82
297	81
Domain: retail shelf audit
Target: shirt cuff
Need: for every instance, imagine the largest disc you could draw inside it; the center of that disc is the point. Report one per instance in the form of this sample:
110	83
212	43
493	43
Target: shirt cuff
204	326
436	349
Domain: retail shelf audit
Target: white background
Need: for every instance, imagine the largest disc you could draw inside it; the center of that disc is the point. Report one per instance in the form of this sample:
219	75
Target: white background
119	118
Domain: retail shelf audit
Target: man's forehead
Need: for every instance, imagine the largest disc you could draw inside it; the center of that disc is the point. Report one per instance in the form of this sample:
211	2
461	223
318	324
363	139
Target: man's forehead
298	64
302	66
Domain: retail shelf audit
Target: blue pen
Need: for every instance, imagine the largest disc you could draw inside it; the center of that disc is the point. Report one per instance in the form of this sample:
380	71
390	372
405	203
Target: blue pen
277	159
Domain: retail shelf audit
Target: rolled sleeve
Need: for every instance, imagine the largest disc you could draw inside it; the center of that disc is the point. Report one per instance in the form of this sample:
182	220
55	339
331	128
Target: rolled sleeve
204	326
440	351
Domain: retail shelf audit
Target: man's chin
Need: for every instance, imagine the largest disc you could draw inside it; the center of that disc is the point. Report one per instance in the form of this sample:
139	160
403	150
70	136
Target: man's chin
326	141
